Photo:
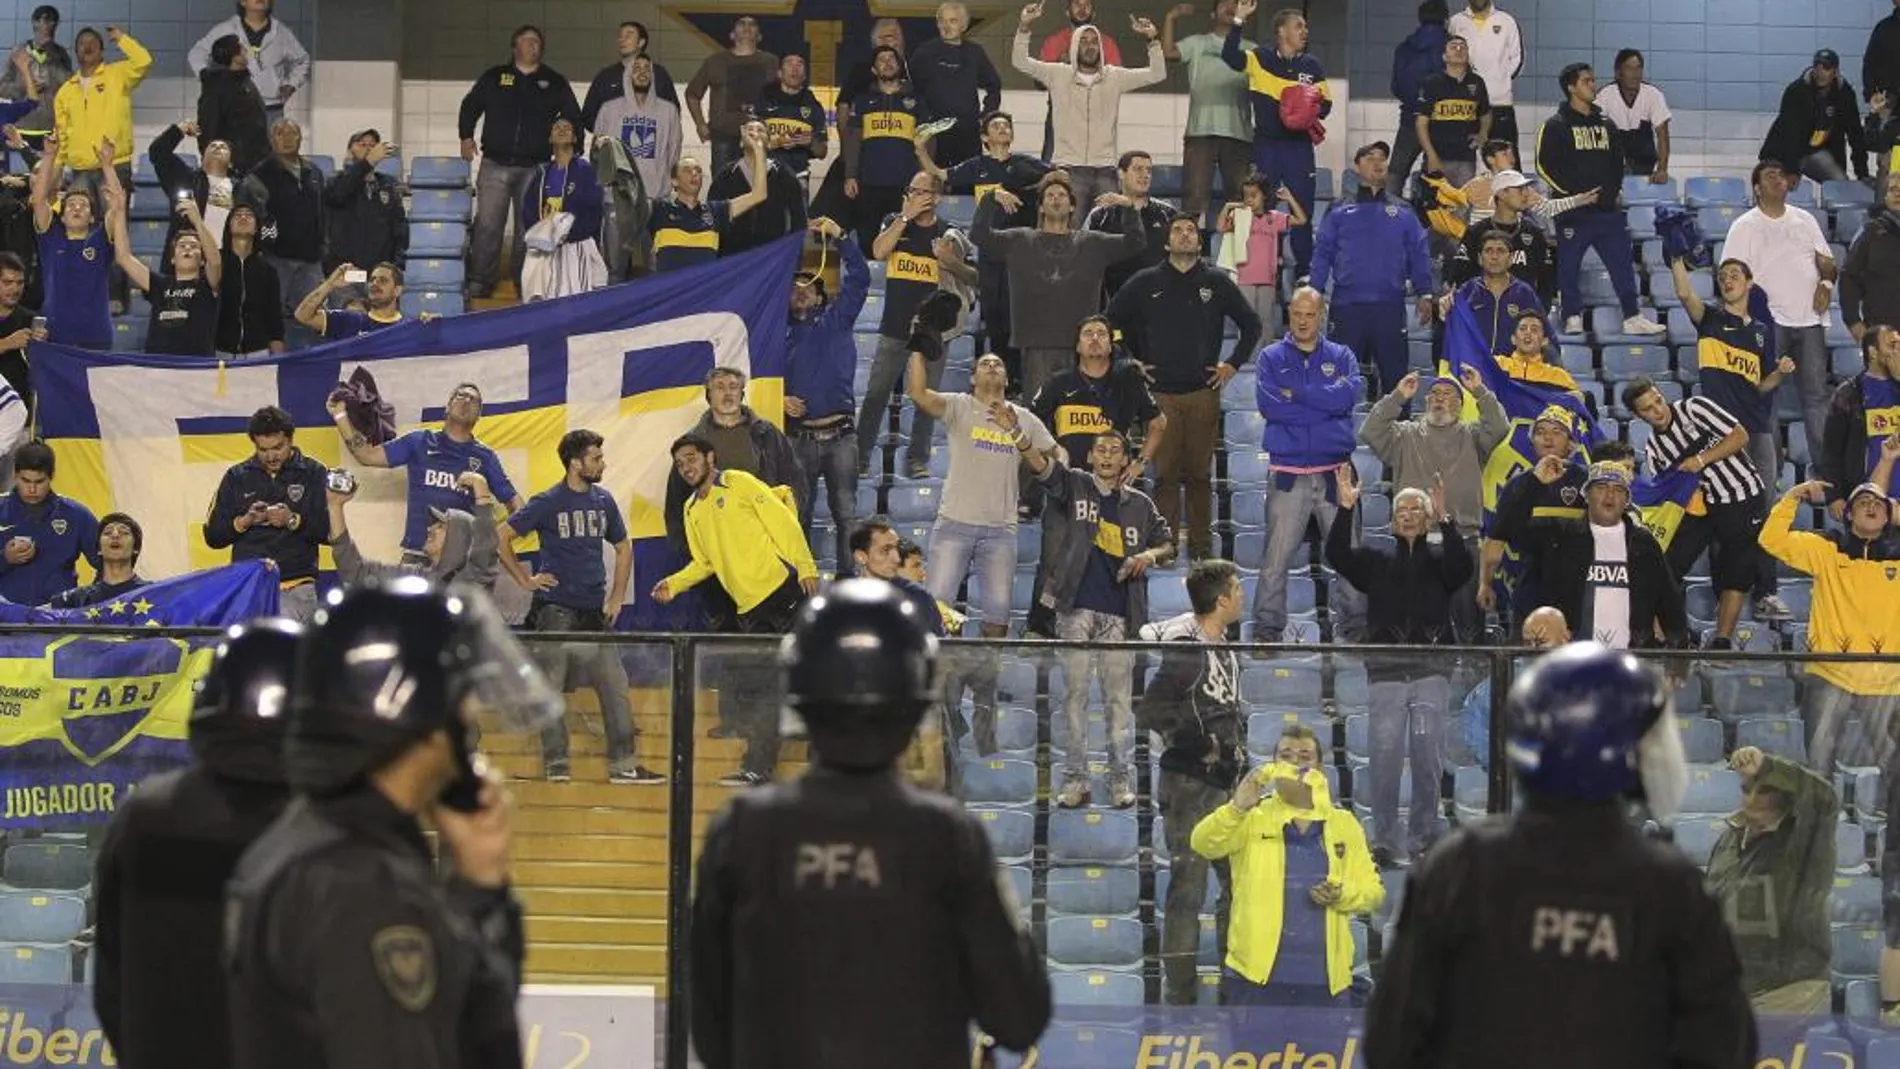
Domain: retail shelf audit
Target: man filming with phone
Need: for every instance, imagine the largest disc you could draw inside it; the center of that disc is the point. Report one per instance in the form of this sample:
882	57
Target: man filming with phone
271	507
383	284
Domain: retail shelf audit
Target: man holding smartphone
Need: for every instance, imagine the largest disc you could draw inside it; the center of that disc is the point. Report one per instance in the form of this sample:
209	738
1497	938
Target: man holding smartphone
271	507
383	284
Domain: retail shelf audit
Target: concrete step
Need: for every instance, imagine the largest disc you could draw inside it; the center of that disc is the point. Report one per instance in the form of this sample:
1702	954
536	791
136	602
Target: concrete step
593	875
640	904
656	981
566	820
597	960
646	932
618	849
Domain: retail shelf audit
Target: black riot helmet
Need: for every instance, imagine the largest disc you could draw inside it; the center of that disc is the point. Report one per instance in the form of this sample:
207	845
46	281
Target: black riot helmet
242	704
390	663
860	668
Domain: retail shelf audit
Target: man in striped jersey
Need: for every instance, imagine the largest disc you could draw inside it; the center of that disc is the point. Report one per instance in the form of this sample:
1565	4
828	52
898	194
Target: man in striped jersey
13	431
1700	437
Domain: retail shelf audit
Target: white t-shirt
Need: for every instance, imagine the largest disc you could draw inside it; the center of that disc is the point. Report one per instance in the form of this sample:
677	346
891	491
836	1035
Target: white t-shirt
218	205
982	487
1606	590
1781	251
1649	107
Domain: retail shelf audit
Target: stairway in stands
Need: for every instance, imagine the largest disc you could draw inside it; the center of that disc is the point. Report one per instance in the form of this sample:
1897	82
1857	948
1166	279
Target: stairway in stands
590	856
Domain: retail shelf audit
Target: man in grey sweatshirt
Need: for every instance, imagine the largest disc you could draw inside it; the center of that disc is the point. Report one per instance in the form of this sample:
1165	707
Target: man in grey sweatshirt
1415	451
1055	270
647	125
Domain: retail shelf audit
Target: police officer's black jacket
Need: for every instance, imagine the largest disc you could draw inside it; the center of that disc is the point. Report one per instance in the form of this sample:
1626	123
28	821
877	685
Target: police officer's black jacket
517	110
852	921
299	484
1557	938
344	951
159	893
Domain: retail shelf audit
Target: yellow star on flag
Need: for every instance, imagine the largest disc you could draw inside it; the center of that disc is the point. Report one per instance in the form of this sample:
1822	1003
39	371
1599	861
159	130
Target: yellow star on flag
117	608
142	607
92	613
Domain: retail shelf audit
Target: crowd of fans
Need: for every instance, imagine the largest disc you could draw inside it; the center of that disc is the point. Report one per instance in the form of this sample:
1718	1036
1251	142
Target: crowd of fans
1112	324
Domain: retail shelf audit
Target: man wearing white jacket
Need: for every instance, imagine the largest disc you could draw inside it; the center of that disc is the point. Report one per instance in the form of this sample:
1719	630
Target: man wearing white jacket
1085	97
278	63
1497	54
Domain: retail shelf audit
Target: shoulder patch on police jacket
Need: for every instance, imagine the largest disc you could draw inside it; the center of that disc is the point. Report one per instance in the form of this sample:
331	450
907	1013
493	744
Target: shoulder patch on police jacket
405	959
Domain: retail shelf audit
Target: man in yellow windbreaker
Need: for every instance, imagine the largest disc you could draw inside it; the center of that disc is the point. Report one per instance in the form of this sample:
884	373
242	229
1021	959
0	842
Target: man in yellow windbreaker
1855	608
1301	870
746	535
95	104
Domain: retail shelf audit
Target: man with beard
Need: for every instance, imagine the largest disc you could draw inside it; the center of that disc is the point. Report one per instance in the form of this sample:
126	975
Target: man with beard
1085	92
382	310
270	507
646	124
881	159
1136	171
1410	589
1870	279
1442	451
1055	271
434	461
366	220
950	72
794	119
573	519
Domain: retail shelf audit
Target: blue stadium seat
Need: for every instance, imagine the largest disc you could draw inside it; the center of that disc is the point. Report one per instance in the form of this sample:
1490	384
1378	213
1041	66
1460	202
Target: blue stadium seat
1015	729
150	205
1701	191
437	239
1856	954
1855	900
1287	682
1092	836
1680	330
999	781
148	236
1778	735
433	274
1323	185
1715	219
1208	955
1243	428
1012	832
1168	599
1016	680
1862	998
23	964
915	502
1749	691
1167	182
1606	326
440	205
1697	837
1094	889
1022	590
1248	508
436	303
1642	222
1598	291
1638	189
1246	466
1845	193
1100	941
325	165
438	172
1844	361
1264	727
957	209
1164	877
1622	363
1470	792
391	167
1850	848
1837	332
128	334
1359	736
1096	987
144	175
1375	511
1712	790
1848	223
47	865
33	917
1701	740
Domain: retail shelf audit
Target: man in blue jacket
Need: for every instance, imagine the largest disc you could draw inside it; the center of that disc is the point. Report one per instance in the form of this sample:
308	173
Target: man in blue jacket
1417	58
1368	249
820	358
43	534
1577	152
1306	388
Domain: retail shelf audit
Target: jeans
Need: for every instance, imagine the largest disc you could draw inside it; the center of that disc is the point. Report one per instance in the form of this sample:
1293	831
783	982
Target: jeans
1265	301
295	279
987	553
1762	449
1184	466
724	150
1407	719
1821	166
1090	183
1405	152
888	365
1458	172
1808	347
1825	709
835	459
1607	232
1287	513
604	670
1115	670
974	669
1041	365
498	188
1504	125
298	603
1376	334
1200	158
755	680
1184	803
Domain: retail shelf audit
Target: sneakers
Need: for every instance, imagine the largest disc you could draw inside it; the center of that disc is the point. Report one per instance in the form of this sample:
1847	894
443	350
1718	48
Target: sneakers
1772	608
1075	793
557	772
1121	794
915	470
629	771
1573	325
742	778
1648	328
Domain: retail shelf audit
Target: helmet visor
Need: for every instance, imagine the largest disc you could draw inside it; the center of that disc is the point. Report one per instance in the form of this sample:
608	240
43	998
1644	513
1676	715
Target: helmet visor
508	690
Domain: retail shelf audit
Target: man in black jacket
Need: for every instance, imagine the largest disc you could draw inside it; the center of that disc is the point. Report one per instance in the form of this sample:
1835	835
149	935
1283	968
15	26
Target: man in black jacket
250	299
1136	171
1818	127
783	211
271	507
1616	589
1870	279
611	82
1409	590
1193	703
1864	410
367	222
295	205
516	103
1880	61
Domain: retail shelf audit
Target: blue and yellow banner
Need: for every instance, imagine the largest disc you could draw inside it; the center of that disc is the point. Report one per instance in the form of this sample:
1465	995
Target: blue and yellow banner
152	436
84	717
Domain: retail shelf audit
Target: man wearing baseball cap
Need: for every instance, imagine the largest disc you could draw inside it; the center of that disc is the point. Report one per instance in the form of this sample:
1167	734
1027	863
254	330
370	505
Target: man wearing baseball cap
1818	125
1855	608
1368	249
1605	572
1552	488
1515	205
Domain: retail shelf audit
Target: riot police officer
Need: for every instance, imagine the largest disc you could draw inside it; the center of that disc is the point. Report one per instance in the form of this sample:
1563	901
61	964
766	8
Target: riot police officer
849	920
159	983
343	947
1560	936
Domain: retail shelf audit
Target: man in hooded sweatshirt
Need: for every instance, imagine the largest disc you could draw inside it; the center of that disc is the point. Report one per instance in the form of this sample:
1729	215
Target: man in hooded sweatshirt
647	125
1085	99
460	546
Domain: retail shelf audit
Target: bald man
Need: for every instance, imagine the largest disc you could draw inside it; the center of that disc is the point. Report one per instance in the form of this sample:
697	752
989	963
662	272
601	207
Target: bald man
1544	629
